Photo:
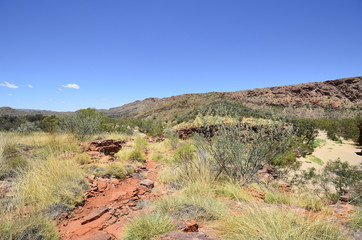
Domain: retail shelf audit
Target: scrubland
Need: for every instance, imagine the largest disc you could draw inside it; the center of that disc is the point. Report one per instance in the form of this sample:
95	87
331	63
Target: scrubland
213	178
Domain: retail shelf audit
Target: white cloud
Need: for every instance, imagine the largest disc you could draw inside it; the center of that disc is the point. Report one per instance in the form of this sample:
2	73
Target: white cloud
8	85
71	85
10	94
29	85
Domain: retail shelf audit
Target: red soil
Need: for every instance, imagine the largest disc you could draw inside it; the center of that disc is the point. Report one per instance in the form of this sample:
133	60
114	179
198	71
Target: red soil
109	204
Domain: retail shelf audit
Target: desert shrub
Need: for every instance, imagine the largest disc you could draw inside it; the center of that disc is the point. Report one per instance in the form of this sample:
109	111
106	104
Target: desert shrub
13	166
150	127
55	145
172	136
341	175
50	124
28	127
277	197
52	181
35	226
238	151
159	157
148	227
333	180
183	207
310	203
11	160
117	170
82	158
83	124
355	220
258	222
306	129
233	191
141	143
286	159
195	169
137	155
222	108
185	153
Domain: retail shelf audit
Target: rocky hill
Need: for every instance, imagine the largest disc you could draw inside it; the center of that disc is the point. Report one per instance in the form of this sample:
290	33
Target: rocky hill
333	98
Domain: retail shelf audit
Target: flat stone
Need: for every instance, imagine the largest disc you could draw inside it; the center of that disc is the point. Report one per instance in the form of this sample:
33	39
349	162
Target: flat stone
186	236
148	183
97	236
95	215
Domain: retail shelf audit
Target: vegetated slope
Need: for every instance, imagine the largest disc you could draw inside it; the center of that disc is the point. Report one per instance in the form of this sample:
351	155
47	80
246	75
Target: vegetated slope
336	98
23	112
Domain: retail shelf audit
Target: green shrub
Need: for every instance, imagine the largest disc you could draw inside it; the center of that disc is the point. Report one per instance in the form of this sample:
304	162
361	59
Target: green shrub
140	143
83	124
137	155
238	151
172	136
82	158
277	197
269	223
186	207
52	181
148	227
185	153
35	226
356	219
233	191
341	175
111	170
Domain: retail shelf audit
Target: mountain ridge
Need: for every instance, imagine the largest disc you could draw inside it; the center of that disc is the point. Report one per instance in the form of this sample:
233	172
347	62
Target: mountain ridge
331	98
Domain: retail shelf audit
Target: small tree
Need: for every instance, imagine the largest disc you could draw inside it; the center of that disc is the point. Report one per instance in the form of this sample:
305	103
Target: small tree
240	150
341	175
84	123
50	124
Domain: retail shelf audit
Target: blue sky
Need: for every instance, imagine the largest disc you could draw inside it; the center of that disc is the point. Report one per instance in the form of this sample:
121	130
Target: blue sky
119	51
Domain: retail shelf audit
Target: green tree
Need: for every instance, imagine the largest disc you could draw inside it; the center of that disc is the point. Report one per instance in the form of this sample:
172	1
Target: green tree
50	124
83	124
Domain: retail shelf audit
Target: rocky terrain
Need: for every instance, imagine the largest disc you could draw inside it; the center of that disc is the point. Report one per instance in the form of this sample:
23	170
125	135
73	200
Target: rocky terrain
313	100
333	98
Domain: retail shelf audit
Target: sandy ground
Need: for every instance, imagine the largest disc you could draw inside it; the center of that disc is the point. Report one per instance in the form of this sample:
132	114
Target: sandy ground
330	150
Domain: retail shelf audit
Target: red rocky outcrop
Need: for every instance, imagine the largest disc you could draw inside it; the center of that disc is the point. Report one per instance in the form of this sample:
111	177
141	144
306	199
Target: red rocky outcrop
108	147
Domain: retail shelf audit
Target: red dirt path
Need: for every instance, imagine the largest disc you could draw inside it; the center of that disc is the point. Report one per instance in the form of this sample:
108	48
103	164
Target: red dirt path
109	204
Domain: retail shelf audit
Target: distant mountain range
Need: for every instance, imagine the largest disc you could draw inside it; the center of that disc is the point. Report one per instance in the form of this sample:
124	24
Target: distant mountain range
333	98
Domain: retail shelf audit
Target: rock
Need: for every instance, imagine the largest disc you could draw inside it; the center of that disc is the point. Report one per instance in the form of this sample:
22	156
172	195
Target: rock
95	215
141	204
191	226
186	236
138	176
268	173
342	210
147	183
108	147
102	185
260	196
97	236
129	168
56	210
285	187
345	197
